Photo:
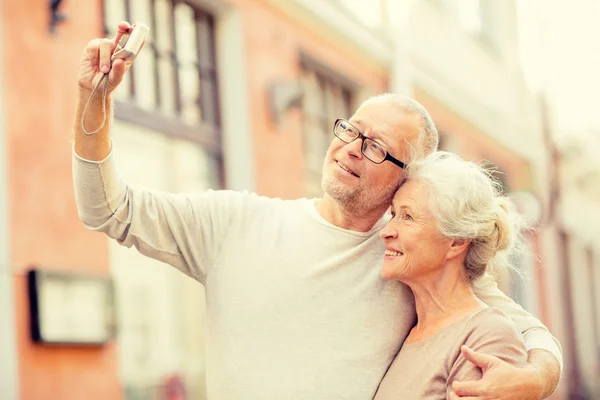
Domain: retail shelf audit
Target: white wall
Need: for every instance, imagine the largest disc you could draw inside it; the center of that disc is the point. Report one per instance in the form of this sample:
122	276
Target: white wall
333	19
582	308
479	81
236	123
596	289
161	311
579	214
9	380
553	273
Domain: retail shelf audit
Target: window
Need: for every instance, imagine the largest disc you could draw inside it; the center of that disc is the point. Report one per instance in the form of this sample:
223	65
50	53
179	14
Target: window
593	281
572	366
470	15
327	97
479	18
172	86
171	93
522	287
367	13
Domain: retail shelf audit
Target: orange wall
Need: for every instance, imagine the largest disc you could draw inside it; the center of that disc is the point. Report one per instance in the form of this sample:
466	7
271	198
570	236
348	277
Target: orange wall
39	96
273	44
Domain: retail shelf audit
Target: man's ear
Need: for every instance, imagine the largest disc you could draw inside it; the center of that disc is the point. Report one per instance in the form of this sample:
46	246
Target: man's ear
457	247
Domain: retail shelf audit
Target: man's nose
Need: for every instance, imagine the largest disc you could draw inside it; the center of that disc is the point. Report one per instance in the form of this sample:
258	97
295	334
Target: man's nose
354	148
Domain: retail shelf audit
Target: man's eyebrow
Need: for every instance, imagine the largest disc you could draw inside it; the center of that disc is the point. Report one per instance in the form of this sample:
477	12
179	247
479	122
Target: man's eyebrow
381	140
356	122
377	137
373	135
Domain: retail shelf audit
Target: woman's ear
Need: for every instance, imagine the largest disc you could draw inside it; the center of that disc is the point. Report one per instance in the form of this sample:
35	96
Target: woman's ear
457	247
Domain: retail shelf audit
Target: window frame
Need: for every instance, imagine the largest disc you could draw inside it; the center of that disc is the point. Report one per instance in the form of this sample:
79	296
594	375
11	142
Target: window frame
326	77
207	132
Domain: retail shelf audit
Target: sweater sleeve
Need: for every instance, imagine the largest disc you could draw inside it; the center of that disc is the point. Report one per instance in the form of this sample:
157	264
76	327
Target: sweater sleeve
535	334
488	332
186	231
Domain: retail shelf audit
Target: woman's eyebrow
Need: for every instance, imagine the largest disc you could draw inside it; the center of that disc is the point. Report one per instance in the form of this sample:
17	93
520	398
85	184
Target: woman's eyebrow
406	207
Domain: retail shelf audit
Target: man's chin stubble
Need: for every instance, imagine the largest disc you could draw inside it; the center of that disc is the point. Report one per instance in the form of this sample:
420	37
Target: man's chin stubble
354	201
348	199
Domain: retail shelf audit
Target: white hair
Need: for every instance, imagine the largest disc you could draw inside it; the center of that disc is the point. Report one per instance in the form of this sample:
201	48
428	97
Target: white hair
467	204
428	139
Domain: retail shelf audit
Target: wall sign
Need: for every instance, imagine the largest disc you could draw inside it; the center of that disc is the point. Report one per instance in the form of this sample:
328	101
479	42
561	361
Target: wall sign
70	308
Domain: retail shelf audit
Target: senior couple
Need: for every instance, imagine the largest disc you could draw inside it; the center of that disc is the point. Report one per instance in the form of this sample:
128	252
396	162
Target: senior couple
380	289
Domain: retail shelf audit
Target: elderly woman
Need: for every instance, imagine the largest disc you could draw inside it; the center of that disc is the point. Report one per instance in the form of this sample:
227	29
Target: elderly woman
449	227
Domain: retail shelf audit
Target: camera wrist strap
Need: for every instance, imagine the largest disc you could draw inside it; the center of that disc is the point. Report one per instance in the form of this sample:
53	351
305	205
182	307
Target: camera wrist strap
104	92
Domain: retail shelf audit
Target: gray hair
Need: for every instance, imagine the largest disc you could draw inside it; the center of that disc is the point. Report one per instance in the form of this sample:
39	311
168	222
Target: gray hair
467	204
428	139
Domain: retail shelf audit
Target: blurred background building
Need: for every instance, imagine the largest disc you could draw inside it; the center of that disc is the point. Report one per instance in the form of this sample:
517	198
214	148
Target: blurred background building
242	94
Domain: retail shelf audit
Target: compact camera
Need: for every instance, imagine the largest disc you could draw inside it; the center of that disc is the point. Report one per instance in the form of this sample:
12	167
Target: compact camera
130	44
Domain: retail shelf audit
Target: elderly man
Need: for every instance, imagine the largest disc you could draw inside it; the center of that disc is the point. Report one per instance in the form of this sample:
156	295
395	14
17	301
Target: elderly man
296	307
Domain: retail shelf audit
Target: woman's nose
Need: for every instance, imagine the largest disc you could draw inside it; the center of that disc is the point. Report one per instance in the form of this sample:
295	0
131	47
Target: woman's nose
388	232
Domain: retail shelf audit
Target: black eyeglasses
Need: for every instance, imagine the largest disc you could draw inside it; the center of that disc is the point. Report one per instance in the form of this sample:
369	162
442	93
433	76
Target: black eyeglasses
371	148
